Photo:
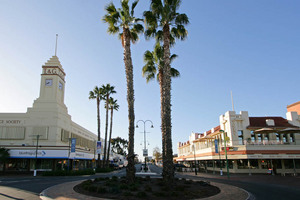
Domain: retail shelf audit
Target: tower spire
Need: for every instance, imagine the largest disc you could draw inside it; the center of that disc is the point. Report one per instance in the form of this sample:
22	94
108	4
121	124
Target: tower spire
56	44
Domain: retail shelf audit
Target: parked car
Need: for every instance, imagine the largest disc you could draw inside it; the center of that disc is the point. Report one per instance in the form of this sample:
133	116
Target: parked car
177	165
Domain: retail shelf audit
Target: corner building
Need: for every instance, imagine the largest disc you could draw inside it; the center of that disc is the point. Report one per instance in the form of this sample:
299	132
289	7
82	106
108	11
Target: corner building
46	128
253	145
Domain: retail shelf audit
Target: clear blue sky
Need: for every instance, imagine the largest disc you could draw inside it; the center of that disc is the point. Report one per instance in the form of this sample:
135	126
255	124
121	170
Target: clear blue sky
249	47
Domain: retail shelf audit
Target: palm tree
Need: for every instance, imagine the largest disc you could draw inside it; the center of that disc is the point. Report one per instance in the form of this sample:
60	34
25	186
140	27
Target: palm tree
122	21
112	105
107	91
97	94
163	15
154	67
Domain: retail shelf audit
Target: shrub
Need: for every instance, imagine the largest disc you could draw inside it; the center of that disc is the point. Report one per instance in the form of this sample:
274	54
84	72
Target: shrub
141	194
148	188
124	187
127	193
114	190
133	187
101	190
92	188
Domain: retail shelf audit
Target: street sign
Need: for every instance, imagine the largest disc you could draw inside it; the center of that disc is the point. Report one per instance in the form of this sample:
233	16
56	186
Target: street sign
73	144
216	146
145	152
98	147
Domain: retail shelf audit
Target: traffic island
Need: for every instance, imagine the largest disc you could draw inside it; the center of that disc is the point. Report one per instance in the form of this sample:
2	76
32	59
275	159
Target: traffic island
146	188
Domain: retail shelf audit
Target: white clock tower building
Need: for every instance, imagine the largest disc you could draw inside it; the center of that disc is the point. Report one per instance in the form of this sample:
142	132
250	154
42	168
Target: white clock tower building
40	138
52	89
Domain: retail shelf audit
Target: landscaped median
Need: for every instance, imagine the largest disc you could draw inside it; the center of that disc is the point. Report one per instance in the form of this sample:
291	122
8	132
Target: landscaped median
146	188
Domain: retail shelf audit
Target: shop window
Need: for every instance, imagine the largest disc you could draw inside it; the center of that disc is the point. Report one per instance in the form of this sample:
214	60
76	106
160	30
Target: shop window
241	137
242	164
210	163
264	164
253	164
277	164
297	163
288	164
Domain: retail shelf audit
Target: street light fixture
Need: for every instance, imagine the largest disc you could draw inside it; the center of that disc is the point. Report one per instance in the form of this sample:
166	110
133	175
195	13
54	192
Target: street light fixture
145	147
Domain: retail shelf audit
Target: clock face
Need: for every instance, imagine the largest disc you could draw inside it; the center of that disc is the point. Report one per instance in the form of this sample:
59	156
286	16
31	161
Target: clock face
48	82
60	85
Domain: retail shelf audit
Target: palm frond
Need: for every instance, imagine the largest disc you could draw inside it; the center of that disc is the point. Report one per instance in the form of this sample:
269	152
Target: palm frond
174	72
181	19
133	7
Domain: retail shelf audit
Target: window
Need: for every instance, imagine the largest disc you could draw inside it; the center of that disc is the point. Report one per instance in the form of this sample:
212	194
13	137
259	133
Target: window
292	137
253	139
288	164
266	137
277	137
12	133
284	138
242	164
259	137
241	137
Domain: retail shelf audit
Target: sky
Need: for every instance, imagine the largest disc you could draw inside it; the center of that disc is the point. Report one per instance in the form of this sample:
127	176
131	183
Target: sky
251	48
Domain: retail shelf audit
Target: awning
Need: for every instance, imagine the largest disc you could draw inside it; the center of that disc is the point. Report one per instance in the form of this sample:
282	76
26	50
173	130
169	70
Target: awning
265	130
290	130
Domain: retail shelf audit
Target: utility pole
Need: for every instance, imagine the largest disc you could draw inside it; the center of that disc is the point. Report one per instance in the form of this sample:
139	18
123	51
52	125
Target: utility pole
36	153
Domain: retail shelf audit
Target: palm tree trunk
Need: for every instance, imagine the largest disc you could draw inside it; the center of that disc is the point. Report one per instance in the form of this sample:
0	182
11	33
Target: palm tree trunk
106	127
168	169
162	100
110	133
98	121
130	170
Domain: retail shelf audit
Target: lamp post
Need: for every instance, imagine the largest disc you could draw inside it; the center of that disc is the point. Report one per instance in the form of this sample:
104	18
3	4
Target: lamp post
145	147
225	152
36	152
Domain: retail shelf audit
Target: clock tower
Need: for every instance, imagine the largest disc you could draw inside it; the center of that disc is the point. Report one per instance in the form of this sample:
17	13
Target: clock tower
52	88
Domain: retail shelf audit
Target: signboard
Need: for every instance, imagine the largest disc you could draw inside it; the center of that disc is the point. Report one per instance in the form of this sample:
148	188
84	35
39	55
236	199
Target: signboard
98	147
216	146
63	154
145	152
73	144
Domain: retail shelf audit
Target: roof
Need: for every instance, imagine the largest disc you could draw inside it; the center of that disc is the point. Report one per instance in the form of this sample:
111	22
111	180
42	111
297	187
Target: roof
260	122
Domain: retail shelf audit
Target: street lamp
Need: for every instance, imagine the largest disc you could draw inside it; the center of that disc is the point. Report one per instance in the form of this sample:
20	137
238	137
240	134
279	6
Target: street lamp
36	152
225	152
145	153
